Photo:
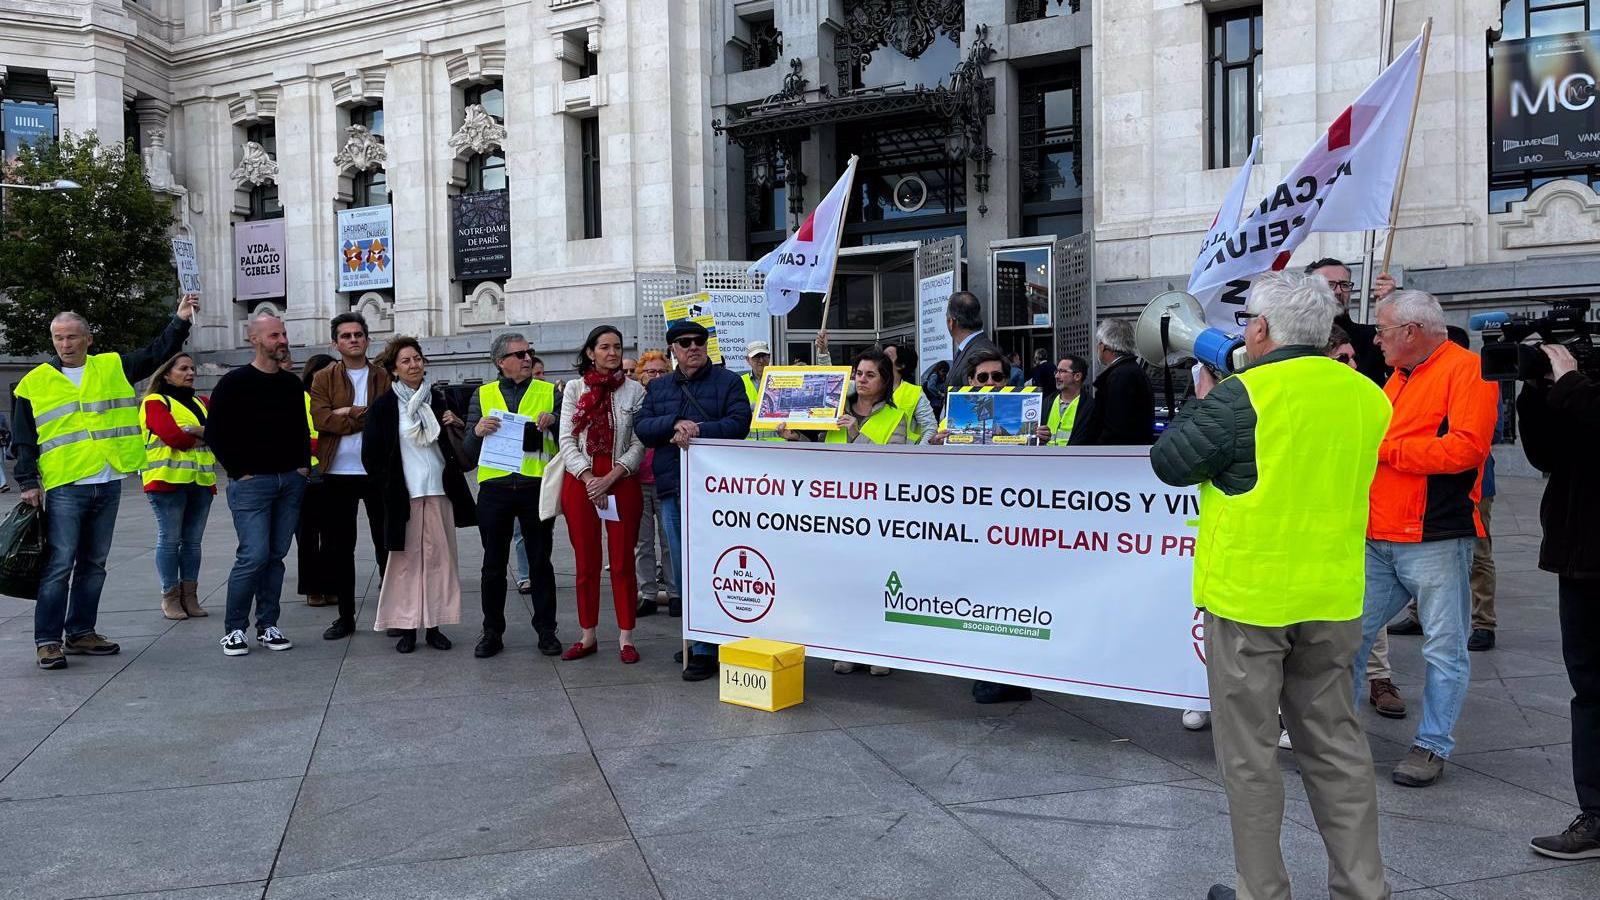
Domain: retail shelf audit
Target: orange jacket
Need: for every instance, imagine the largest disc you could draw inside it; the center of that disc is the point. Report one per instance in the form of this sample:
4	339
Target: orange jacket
1430	462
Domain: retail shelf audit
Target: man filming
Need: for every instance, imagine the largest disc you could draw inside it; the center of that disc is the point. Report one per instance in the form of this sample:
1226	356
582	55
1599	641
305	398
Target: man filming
1288	446
1560	428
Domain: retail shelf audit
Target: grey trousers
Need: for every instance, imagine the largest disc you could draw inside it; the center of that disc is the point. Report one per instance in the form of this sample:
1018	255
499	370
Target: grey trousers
644	554
1306	671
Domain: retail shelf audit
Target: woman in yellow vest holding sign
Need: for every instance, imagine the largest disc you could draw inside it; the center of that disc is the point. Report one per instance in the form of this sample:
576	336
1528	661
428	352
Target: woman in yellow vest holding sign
870	415
180	479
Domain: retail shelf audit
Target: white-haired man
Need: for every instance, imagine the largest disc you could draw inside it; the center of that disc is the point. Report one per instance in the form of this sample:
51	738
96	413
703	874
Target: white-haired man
76	436
1287	446
1424	518
1124	410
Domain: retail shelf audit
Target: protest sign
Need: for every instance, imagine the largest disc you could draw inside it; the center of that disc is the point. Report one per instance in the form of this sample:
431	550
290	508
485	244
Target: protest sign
741	317
1065	569
801	397
697	308
366	246
188	266
258	272
933	338
989	415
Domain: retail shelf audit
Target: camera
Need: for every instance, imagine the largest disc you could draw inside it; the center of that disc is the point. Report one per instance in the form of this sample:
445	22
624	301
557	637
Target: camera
1508	355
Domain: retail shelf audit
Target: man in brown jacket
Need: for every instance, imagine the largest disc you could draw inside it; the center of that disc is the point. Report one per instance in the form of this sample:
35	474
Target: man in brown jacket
340	395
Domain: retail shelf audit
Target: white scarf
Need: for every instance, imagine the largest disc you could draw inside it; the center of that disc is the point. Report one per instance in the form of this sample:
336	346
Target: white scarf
417	421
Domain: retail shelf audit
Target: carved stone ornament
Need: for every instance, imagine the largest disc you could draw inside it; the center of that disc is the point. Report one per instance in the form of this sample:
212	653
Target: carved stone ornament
256	167
1561	213
362	151
479	132
158	160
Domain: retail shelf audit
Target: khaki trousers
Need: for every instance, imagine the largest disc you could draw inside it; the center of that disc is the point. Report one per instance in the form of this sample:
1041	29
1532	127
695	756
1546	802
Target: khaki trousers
1483	572
1306	671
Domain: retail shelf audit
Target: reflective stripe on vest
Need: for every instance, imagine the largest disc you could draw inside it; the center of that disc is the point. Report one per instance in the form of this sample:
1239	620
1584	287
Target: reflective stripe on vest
1293	548
907	396
197	465
752	392
82	429
879	429
540	397
1061	420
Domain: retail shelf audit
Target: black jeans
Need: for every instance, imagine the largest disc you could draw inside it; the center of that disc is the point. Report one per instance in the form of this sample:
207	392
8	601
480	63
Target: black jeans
313	556
340	494
502	501
1580	647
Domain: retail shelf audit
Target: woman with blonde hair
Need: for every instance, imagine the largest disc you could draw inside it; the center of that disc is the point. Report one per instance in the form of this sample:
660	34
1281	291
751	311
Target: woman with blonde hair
180	480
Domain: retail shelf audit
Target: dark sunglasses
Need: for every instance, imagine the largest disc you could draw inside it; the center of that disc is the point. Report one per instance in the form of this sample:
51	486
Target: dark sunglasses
687	342
989	377
1345	358
519	354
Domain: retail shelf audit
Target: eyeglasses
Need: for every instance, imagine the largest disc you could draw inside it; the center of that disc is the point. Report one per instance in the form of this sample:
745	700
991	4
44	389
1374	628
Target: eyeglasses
1383	328
687	342
1065	372
519	354
1342	285
1346	358
1242	318
989	378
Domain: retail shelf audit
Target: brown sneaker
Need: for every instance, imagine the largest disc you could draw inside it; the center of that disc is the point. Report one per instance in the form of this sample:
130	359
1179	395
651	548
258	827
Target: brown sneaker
91	644
172	603
191	599
1420	768
1386	697
50	656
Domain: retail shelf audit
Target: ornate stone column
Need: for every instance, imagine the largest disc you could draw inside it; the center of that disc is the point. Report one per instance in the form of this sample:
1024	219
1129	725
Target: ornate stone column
419	170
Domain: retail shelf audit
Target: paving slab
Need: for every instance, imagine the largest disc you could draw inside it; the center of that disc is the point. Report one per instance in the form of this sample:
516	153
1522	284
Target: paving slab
863	699
404	733
245	890
638	714
427	674
1579	881
1543	770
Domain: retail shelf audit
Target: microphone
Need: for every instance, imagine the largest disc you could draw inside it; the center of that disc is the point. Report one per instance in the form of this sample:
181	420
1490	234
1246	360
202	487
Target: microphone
1485	320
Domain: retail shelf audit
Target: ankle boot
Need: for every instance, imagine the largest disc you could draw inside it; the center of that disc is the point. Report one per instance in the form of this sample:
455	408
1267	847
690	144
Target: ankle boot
172	603
191	599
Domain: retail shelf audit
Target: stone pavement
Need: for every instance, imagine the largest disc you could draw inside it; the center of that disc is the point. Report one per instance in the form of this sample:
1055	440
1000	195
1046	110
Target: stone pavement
347	770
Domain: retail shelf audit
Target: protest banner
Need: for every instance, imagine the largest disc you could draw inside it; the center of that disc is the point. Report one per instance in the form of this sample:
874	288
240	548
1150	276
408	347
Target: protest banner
987	415
188	266
933	338
742	317
1064	569
694	307
258	253
366	247
801	397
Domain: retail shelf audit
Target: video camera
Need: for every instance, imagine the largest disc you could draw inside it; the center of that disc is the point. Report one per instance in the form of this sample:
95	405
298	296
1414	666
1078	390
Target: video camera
1508	355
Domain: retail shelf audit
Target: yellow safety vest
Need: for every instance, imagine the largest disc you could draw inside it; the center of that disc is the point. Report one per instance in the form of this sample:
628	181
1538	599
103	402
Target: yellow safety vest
1061	420
311	426
753	391
1293	548
197	465
907	396
82	429
877	429
540	397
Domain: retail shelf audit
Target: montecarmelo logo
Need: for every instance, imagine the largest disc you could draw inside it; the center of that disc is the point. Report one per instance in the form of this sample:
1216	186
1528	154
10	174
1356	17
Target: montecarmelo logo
962	613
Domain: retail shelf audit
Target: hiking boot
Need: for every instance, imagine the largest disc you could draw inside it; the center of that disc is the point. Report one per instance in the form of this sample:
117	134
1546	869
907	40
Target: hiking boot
172	603
91	644
50	656
1385	697
1420	768
1408	627
191	599
1581	840
1481	639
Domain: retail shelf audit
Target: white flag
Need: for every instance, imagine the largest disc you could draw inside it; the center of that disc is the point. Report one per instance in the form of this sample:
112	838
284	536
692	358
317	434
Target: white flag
1227	218
1345	183
804	263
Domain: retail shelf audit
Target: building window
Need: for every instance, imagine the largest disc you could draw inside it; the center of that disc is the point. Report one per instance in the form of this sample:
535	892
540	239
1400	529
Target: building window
766	204
1538	18
489	96
28	111
264	197
1049	128
1234	64
369	117
1033	10
760	42
371	188
589	163
487	172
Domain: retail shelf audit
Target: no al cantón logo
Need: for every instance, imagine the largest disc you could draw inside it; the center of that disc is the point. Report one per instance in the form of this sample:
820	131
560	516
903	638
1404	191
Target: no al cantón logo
744	584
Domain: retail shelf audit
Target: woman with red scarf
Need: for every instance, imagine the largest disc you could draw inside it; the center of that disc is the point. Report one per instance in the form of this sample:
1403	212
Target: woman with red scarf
602	456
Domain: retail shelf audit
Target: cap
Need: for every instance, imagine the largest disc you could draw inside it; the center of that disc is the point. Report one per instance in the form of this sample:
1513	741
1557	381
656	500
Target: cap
686	328
757	348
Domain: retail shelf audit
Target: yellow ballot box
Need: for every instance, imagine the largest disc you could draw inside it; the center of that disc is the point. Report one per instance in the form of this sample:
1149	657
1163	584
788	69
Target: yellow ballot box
762	674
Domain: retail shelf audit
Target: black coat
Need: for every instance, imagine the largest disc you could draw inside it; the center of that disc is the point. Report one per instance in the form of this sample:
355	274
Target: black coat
958	366
1363	340
380	454
1560	427
1124	410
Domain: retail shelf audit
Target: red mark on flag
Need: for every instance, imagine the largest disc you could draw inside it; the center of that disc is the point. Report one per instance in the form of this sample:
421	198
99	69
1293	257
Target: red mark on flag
805	228
1281	261
1339	131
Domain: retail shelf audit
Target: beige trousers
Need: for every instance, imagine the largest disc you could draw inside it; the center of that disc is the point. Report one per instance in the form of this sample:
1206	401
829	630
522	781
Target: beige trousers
1306	671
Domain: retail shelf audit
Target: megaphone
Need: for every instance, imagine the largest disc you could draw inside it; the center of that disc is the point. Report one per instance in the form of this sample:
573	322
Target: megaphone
1173	325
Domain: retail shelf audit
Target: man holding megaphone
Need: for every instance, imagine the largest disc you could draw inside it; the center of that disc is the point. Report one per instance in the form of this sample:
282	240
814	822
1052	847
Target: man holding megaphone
1284	450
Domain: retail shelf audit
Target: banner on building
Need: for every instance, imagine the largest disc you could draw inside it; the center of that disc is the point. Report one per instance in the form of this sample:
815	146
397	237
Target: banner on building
258	268
1064	569
188	266
742	317
23	123
480	229
933	337
1544	113
366	239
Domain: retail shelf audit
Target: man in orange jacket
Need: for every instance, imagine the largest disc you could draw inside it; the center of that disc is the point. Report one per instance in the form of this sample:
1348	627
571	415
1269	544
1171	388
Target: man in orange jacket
1424	518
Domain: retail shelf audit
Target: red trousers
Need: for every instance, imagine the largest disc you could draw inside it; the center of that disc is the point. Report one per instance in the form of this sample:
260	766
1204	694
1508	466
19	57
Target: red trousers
583	527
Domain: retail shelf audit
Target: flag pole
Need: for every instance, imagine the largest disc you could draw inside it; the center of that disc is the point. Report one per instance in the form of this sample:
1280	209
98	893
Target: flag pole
844	209
1405	155
1369	238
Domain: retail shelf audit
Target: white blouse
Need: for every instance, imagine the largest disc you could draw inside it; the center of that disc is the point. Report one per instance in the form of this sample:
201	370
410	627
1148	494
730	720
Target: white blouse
424	468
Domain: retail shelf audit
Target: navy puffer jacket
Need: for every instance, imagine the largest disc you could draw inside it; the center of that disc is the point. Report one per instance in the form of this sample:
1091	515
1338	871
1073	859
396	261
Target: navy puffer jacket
713	397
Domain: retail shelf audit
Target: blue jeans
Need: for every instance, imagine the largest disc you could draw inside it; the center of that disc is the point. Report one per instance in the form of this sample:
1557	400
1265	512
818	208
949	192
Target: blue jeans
79	520
672	524
519	553
1437	574
266	509
181	517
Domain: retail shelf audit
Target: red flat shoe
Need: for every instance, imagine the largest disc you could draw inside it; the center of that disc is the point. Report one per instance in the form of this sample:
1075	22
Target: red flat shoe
629	655
579	651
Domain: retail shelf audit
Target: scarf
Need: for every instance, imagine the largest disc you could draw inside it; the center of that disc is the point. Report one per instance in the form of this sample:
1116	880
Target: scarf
417	421
593	415
184	395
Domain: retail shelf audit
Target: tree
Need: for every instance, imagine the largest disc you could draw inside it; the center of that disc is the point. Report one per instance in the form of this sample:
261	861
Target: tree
102	251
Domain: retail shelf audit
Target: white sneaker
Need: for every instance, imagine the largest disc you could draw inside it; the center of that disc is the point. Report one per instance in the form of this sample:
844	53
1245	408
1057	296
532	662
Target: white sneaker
1195	720
272	639
234	644
1283	741
840	667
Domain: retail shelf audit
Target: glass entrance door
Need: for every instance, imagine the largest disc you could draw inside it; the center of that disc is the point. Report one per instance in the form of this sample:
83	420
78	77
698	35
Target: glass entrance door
874	302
